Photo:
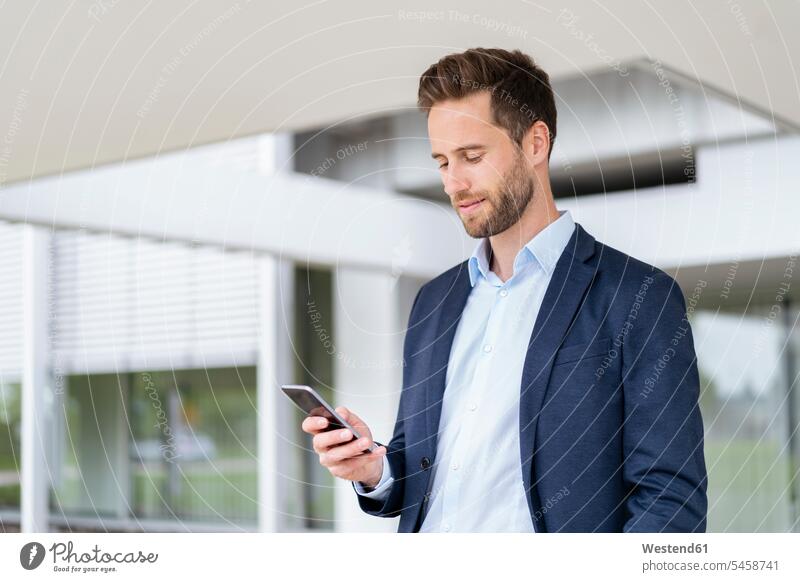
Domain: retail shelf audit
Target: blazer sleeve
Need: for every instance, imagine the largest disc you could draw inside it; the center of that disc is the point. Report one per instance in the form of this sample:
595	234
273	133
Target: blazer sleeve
391	505
664	465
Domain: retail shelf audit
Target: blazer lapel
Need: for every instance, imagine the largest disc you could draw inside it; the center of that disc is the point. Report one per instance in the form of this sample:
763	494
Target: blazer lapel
562	299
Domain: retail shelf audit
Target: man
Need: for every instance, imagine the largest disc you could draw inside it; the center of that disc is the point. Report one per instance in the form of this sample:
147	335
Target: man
550	382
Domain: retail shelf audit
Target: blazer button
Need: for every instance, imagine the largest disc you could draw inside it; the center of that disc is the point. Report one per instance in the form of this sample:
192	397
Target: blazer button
425	463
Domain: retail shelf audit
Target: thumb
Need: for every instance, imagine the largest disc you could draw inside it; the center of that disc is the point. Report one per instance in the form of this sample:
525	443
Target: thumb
343	412
351	417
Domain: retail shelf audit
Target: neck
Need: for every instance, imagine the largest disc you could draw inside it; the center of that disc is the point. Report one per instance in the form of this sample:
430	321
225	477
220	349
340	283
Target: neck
505	245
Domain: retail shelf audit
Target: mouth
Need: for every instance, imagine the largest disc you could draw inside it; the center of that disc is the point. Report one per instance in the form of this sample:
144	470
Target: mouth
470	206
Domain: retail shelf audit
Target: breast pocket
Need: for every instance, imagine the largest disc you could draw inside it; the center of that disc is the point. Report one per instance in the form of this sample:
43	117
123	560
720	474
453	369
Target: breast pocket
580	352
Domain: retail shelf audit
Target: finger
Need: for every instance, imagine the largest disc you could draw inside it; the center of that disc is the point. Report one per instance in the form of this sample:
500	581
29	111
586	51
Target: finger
358	461
356	448
323	441
314	424
351	464
337	454
367	455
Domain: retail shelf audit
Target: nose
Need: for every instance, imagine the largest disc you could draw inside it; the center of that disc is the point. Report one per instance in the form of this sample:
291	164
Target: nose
453	184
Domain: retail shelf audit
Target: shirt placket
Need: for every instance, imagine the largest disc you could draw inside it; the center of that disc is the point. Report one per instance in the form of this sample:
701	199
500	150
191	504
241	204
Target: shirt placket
468	405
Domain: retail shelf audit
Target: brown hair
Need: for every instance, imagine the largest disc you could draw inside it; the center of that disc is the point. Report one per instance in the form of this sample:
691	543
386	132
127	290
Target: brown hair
520	91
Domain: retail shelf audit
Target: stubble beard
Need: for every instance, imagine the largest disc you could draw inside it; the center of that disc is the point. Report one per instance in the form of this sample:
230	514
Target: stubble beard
502	208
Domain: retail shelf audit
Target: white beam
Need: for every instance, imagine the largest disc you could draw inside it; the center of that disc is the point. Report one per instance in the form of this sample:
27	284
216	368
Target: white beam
181	197
744	206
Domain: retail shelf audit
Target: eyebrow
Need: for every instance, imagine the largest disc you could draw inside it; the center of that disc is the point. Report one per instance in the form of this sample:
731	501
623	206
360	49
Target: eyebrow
471	146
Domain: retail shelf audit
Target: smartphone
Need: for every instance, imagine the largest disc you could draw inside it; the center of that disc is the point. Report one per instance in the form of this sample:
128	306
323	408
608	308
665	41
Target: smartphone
307	400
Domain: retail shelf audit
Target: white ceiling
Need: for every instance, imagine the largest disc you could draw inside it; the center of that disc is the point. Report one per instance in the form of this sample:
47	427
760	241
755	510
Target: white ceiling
88	83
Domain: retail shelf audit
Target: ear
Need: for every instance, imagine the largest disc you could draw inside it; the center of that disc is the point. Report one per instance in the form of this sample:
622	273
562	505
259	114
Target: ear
536	143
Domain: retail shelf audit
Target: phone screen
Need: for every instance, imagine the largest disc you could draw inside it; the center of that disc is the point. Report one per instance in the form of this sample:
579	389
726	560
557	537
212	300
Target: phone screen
313	407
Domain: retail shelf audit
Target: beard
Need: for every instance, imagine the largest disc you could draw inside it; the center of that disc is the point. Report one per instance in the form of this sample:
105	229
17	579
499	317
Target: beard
501	209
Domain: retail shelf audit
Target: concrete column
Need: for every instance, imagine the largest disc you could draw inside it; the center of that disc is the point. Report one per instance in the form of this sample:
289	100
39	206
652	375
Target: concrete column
268	396
368	371
34	477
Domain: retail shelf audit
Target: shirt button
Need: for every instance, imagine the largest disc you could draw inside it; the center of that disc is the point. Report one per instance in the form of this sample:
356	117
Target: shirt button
454	466
487	348
503	292
446	527
473	407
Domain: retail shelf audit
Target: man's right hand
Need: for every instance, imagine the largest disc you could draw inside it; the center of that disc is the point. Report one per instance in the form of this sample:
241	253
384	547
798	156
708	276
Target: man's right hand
345	459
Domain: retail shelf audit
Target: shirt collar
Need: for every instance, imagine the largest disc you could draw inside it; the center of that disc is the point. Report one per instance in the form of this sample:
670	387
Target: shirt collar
545	248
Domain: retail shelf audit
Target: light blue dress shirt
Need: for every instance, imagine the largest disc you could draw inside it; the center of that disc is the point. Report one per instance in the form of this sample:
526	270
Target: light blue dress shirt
477	477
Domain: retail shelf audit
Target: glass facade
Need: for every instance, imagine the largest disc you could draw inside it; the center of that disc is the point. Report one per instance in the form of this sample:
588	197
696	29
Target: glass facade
10	426
163	445
179	446
314	332
751	430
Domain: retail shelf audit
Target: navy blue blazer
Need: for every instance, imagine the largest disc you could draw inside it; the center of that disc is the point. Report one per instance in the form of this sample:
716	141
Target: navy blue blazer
611	437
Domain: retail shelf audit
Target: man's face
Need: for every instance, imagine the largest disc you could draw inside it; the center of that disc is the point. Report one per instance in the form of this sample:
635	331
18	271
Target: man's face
483	171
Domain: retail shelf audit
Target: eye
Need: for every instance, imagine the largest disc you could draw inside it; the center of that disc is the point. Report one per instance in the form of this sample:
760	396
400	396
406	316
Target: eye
473	160
442	166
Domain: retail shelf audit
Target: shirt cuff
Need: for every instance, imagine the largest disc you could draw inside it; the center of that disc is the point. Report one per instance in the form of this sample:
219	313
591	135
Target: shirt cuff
381	491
